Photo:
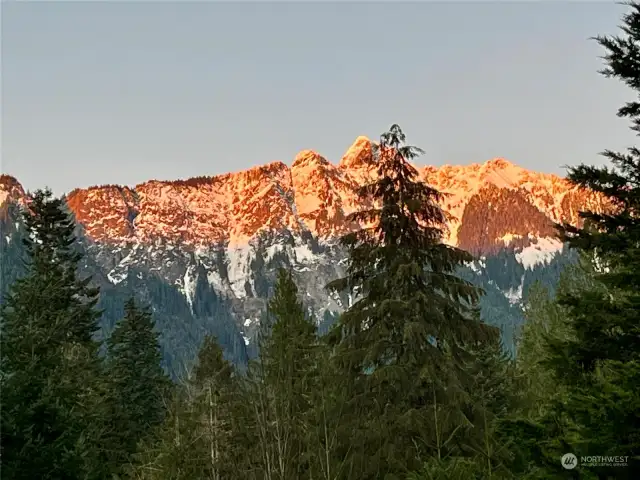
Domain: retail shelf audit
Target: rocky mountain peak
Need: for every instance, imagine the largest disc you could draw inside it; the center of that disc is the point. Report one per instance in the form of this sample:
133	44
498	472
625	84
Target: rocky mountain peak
313	195
308	158
498	163
358	155
10	189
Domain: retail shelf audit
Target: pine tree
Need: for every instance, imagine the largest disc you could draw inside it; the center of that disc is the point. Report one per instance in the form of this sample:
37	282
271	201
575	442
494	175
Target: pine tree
544	320
604	354
411	317
171	452
138	387
598	363
328	420
493	394
214	395
283	380
52	415
203	435
548	322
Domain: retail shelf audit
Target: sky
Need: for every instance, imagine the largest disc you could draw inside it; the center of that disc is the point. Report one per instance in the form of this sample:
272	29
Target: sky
124	92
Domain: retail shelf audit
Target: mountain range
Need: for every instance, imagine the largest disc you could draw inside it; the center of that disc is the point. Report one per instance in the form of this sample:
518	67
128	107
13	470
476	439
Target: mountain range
203	252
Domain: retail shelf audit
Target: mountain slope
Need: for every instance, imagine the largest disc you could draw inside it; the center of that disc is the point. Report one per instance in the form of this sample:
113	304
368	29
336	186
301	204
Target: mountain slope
204	251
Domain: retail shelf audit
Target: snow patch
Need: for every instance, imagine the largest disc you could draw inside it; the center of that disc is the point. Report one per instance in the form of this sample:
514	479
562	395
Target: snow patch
120	271
116	277
541	252
189	285
303	253
472	265
515	295
599	264
271	251
215	280
238	268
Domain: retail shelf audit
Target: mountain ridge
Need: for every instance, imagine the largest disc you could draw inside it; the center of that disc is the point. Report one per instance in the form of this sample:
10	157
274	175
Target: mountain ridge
315	195
204	252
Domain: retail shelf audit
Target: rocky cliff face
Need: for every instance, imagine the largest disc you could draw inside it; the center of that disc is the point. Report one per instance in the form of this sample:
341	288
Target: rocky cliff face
316	196
232	231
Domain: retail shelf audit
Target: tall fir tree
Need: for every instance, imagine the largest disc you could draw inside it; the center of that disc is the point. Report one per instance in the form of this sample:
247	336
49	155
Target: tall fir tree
204	434
170	453
493	386
215	394
138	386
283	379
598	362
52	409
410	321
548	322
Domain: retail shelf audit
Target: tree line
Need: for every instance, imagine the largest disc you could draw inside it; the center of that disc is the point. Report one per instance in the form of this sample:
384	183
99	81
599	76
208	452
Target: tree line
409	384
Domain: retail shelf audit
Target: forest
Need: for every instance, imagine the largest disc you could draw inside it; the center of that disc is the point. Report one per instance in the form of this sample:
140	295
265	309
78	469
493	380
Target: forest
409	383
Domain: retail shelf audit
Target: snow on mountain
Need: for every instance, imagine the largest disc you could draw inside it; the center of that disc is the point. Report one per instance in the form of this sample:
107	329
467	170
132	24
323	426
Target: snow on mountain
312	195
238	227
542	250
553	197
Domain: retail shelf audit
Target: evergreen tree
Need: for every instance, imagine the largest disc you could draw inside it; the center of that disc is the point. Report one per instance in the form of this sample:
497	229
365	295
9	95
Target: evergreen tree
545	319
328	421
547	322
138	386
203	435
598	363
171	453
52	415
410	320
283	381
493	393
214	395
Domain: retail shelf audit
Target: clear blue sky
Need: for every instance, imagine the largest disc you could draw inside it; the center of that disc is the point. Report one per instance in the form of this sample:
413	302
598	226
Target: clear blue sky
124	92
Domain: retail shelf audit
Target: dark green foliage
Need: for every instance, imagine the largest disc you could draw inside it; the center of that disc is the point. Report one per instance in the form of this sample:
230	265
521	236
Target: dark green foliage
138	387
495	307
282	381
398	341
492	385
171	453
51	409
184	330
451	468
594	365
199	437
181	327
504	269
404	250
548	274
12	265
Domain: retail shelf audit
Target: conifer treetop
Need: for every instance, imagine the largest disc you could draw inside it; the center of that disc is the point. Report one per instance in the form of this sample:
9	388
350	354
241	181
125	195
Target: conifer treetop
617	231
